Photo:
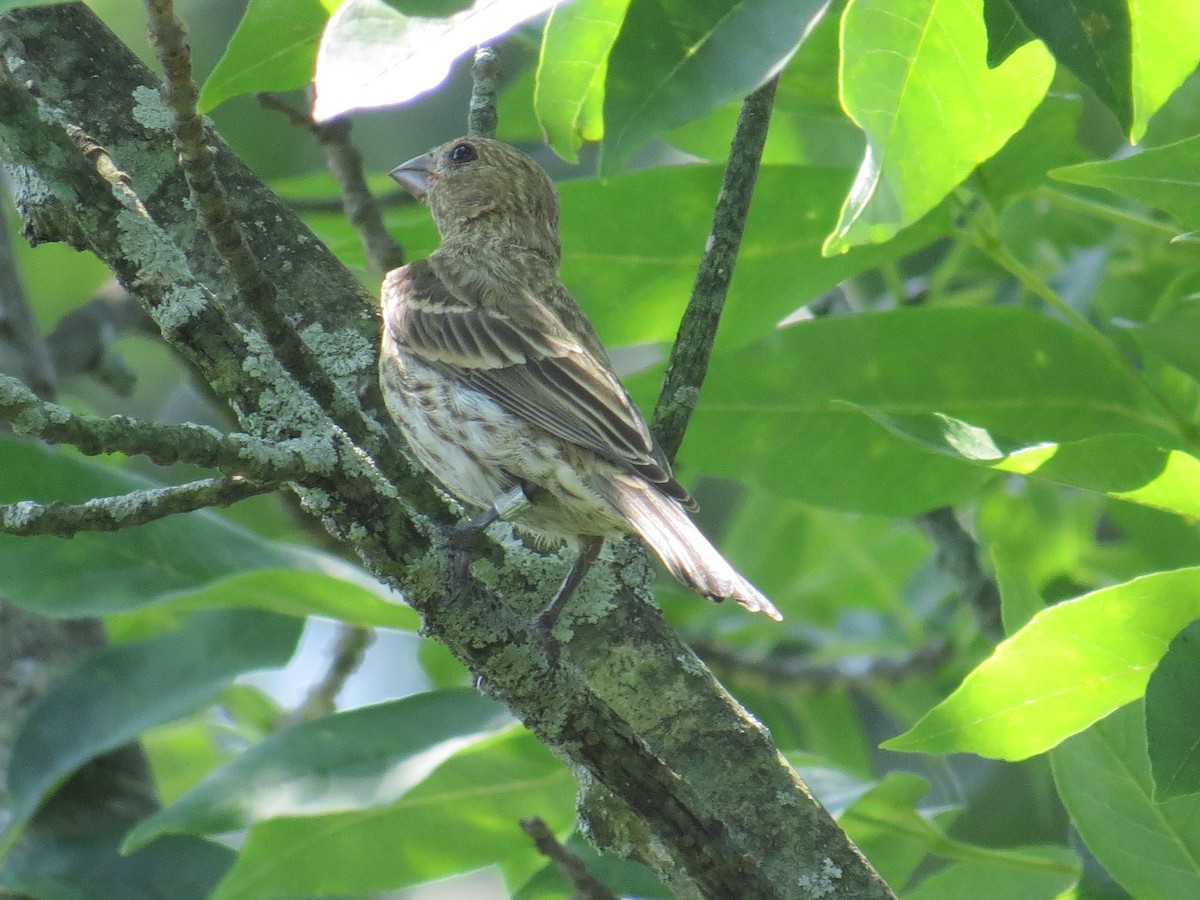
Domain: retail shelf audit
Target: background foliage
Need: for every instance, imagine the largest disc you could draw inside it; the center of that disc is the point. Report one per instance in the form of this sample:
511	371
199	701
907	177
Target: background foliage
960	288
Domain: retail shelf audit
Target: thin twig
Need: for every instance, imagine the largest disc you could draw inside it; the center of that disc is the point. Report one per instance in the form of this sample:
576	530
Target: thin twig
18	331
958	557
485	72
135	508
843	672
698	328
990	245
200	445
572	868
81	343
166	35
348	653
345	165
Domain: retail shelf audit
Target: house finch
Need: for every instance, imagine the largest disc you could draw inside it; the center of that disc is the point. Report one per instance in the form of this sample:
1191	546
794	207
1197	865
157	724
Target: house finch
503	390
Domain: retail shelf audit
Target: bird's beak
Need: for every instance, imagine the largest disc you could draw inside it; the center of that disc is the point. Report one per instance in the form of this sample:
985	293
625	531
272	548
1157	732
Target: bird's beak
416	176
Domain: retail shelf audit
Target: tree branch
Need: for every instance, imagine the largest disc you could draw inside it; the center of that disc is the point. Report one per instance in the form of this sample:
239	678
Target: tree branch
345	165
485	72
698	329
572	868
200	445
135	508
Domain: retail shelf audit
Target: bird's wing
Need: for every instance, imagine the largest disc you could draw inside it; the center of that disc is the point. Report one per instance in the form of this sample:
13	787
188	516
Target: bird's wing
533	366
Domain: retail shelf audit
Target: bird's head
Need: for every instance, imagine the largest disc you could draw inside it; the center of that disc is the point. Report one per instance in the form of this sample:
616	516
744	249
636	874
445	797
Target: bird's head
479	189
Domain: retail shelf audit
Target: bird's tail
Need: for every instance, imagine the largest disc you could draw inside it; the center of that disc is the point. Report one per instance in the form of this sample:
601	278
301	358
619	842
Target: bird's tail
674	537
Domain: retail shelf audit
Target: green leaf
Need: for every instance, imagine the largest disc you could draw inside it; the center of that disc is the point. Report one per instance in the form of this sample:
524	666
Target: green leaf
808	126
1167	178
1047	141
120	691
631	245
887	827
770	413
1103	778
1015	873
84	866
678	60
832	560
914	78
351	761
1173	335
1093	40
462	817
569	94
1073	664
191	561
1123	466
273	49
1006	32
1164	51
350	596
371	55
1173	735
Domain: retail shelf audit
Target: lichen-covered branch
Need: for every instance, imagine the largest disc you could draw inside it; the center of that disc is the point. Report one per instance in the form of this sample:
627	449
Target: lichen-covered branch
200	445
485	72
345	165
135	508
698	329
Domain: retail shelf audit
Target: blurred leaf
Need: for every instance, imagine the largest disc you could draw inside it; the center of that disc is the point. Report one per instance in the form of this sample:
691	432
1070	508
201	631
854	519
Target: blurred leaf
87	866
352	761
1045	142
120	691
1006	33
1123	466
1073	664
1172	733
770	414
821	562
631	246
1015	873
180	754
886	826
1103	777
1093	40
1167	178
625	878
371	55
914	79
462	817
678	60
350	596
1019	597
193	561
273	49
569	96
808	125
1173	335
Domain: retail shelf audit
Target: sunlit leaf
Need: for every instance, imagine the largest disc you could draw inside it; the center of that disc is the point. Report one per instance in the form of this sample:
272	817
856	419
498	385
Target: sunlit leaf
371	55
1070	666
914	78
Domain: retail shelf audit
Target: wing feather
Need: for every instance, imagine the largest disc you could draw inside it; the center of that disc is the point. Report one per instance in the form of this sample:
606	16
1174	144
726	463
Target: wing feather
536	368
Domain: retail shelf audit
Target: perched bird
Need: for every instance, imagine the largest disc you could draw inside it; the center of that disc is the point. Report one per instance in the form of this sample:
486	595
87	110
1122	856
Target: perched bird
499	383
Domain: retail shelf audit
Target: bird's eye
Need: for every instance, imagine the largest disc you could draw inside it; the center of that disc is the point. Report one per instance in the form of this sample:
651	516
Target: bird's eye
462	153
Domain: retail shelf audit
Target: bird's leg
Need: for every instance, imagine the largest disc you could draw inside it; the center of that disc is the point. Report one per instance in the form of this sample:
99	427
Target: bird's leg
589	549
464	535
